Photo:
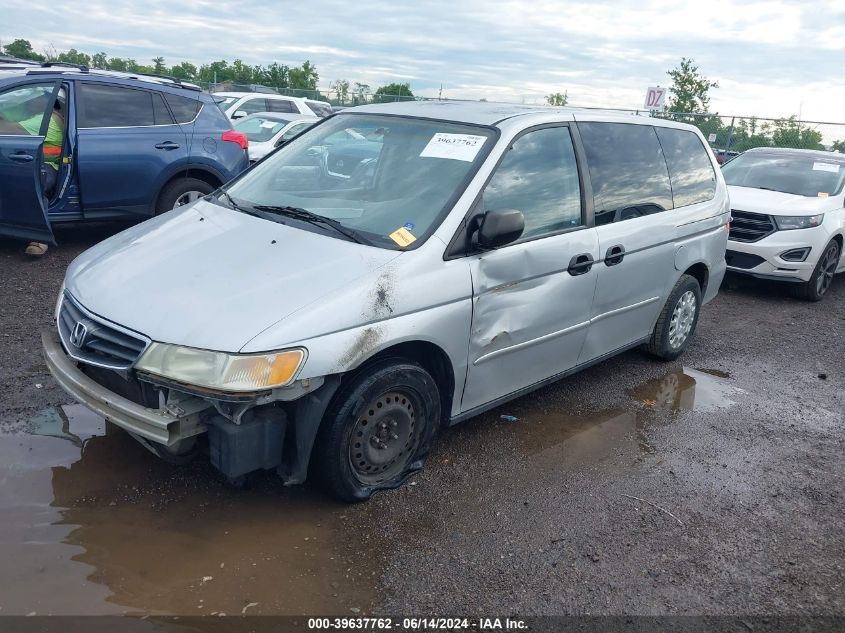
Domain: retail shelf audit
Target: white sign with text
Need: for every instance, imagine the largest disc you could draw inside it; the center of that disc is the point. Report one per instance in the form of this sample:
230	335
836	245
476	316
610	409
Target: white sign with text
655	97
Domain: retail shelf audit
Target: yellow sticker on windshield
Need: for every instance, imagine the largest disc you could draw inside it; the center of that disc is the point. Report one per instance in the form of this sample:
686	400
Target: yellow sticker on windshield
403	236
822	194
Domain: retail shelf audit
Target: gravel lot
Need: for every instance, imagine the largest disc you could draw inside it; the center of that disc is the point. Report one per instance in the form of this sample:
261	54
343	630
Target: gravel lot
712	485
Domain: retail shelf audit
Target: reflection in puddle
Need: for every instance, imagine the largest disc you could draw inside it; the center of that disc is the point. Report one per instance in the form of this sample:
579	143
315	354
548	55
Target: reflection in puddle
94	524
593	435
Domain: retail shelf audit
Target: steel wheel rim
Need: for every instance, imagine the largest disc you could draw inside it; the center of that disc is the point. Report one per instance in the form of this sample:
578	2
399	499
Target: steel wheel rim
384	437
683	317
187	198
827	269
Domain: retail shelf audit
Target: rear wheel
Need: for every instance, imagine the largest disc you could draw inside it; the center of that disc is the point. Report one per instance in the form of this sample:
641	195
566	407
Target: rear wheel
676	324
181	192
823	273
378	430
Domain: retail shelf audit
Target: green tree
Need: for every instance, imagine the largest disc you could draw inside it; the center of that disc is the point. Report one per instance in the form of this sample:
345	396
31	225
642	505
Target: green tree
304	77
394	92
241	73
185	70
790	133
341	88
75	57
557	99
158	65
118	63
99	60
690	89
214	71
276	75
838	146
22	49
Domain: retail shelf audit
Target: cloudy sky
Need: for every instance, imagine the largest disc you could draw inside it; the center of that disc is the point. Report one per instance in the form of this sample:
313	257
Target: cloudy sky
770	57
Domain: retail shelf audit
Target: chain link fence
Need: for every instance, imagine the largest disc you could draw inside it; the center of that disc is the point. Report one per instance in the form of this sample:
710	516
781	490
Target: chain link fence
732	135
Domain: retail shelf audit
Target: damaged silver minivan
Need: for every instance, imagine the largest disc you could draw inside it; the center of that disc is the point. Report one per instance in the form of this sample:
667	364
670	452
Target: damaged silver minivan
395	269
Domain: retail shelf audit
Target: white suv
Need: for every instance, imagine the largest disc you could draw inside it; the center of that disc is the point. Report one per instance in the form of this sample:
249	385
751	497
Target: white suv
240	104
788	218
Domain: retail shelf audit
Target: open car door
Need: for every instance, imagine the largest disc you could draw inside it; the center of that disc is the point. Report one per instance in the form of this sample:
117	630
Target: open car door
25	110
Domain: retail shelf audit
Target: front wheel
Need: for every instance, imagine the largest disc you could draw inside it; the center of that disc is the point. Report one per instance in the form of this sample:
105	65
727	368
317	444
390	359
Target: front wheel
676	324
823	273
181	192
378	430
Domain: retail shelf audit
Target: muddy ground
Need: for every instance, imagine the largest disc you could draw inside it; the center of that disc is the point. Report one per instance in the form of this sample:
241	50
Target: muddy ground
711	485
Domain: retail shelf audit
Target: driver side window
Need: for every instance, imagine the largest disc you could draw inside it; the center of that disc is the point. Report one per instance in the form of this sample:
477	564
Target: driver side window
23	109
538	176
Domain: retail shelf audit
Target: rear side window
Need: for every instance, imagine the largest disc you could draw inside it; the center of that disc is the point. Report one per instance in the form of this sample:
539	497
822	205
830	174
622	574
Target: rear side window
252	106
538	176
281	105
115	106
184	109
162	114
320	109
690	169
627	170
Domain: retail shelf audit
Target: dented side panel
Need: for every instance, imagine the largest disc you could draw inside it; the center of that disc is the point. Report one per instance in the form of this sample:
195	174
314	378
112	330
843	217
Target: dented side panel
416	297
530	314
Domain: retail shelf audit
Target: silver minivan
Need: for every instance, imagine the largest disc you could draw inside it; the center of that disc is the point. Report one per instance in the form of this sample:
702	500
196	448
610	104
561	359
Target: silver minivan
395	269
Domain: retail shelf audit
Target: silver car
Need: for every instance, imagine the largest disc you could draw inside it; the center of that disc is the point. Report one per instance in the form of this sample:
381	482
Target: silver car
395	269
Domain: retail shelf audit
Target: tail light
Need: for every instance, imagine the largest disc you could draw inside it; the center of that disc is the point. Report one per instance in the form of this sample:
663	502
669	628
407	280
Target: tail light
236	137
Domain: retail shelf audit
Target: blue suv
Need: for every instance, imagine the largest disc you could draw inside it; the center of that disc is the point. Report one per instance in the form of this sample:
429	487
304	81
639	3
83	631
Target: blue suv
133	146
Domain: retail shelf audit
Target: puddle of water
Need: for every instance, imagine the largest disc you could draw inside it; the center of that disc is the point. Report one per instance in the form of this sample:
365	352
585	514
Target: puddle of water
689	390
94	524
597	435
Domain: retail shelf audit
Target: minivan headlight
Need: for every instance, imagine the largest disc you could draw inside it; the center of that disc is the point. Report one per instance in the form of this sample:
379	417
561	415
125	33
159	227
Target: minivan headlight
59	303
789	222
218	370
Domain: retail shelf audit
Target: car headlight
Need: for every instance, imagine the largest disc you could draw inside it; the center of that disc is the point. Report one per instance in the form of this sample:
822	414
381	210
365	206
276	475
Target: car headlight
218	370
789	222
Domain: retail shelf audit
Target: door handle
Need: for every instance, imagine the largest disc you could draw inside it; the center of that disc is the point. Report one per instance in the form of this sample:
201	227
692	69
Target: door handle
167	145
614	255
21	157
580	264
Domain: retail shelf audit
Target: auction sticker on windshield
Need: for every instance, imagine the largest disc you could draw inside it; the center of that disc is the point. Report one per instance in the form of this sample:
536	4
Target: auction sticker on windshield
453	146
402	236
831	167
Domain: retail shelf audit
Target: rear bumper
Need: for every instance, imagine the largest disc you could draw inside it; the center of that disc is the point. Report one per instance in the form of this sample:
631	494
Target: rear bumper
155	425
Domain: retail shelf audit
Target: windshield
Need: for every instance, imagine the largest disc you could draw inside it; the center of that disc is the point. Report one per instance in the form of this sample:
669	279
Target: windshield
799	174
259	129
388	178
224	102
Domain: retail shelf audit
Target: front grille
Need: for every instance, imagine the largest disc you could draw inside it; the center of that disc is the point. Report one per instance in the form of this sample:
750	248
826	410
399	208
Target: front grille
90	339
735	259
750	227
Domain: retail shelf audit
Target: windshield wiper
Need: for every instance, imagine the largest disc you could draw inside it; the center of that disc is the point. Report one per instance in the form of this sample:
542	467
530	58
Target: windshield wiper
299	213
234	205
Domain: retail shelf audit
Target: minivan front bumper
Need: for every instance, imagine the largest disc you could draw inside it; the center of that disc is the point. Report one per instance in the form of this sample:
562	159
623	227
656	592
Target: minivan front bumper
157	425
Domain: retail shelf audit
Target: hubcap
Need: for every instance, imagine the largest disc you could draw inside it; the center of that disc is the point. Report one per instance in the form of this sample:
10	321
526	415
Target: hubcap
187	197
683	316
827	268
384	438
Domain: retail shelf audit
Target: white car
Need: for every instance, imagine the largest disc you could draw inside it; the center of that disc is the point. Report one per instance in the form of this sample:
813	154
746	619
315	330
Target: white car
788	219
267	131
237	105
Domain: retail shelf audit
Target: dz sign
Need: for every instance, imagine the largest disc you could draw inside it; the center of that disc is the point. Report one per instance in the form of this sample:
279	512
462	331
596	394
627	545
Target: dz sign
654	98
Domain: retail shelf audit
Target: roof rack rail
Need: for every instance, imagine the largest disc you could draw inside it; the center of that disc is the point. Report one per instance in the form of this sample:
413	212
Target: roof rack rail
78	67
8	59
175	80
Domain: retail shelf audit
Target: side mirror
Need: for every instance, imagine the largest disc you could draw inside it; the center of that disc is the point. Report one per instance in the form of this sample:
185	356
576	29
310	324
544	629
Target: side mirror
500	227
239	114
